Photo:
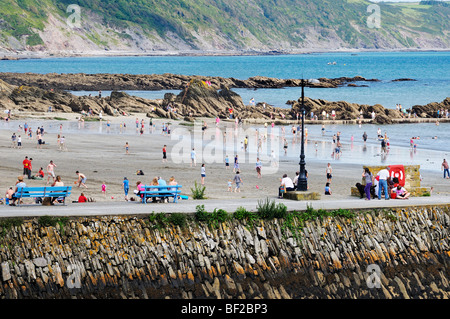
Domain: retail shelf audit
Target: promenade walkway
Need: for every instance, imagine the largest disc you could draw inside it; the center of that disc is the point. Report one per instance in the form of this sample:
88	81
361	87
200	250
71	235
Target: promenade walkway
188	206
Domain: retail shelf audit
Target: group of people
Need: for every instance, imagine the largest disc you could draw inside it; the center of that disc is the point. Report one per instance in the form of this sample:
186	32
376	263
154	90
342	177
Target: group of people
287	184
383	182
11	196
156	181
52	179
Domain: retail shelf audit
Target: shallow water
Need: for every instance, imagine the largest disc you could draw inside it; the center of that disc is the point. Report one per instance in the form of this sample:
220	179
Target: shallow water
428	152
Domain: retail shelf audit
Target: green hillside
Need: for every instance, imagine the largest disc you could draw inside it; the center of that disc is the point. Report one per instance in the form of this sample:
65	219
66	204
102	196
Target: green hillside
243	24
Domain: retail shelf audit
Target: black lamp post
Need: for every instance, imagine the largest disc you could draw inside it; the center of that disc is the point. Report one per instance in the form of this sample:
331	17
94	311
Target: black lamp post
302	184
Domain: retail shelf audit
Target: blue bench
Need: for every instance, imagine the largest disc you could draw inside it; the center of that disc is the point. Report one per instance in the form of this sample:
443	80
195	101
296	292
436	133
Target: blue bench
35	192
161	192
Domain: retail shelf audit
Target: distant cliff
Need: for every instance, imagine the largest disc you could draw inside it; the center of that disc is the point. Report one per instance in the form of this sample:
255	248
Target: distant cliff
70	27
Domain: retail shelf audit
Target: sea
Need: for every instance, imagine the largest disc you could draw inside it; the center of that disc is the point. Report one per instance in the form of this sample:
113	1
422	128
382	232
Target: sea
428	70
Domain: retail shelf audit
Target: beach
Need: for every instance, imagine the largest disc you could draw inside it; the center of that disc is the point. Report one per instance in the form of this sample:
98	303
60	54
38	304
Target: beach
97	150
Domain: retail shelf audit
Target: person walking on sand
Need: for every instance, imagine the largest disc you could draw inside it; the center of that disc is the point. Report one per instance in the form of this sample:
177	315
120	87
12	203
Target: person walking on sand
227	162
39	139
50	171
238	181
126	187
258	167
236	164
445	168
62	143
164	150
127	147
203	174
328	171
81	179
193	158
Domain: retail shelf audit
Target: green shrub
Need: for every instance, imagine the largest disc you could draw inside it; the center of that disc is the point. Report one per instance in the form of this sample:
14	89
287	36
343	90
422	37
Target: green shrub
178	219
198	192
159	219
201	214
220	215
242	214
46	221
7	223
266	208
280	211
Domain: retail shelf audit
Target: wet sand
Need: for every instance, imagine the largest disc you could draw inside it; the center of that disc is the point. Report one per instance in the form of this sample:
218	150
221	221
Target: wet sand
98	151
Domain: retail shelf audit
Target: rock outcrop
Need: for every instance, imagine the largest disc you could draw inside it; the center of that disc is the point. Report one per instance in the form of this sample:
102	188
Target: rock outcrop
198	98
344	110
110	82
34	99
431	109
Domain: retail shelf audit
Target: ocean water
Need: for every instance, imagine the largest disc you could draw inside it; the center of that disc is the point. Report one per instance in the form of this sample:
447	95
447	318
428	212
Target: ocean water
429	69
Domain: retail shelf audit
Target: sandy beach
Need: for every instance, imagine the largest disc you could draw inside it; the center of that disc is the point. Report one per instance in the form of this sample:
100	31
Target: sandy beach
98	151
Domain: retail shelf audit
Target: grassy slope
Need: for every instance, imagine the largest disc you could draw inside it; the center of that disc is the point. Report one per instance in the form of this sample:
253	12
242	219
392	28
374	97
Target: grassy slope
269	21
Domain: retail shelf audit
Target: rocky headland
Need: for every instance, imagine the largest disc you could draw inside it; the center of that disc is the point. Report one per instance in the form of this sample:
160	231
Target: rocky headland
199	97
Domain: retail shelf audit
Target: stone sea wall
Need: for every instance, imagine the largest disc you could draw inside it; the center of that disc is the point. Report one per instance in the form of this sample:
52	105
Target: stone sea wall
131	257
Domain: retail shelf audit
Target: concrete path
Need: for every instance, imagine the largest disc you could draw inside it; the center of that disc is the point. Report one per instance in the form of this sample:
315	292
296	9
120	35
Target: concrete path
188	206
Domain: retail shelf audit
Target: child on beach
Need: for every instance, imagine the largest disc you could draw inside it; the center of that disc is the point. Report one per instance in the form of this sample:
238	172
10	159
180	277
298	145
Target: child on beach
126	187
82	198
104	189
229	185
227	162
9	195
327	189
203	174
126	148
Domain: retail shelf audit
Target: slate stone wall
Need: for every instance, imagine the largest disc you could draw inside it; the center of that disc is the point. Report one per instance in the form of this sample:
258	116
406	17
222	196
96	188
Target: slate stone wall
401	253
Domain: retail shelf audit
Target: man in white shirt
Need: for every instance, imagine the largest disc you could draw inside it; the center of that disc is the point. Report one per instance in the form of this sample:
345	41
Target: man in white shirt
382	183
286	184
